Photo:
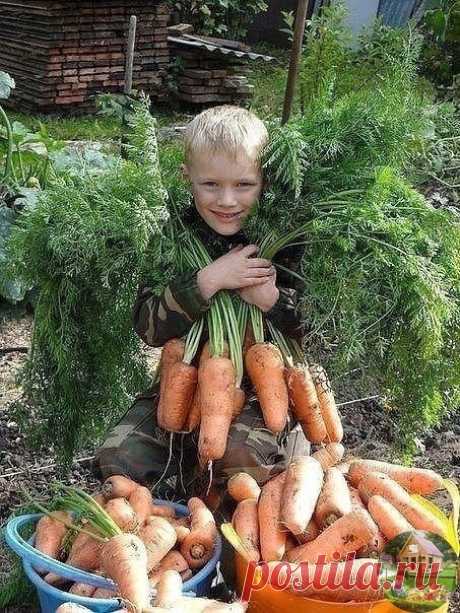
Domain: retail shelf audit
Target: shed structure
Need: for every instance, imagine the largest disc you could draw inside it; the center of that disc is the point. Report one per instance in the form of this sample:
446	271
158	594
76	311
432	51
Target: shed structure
62	52
212	70
419	550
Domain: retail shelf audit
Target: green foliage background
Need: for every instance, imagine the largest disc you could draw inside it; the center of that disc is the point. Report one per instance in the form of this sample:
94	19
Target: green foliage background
380	277
379	281
83	246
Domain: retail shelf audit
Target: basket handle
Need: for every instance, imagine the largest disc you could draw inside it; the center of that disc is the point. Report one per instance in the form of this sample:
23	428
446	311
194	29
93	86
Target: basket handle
44	562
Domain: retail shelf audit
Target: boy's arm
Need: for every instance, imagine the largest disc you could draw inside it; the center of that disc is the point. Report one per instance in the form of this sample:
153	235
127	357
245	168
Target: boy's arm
157	319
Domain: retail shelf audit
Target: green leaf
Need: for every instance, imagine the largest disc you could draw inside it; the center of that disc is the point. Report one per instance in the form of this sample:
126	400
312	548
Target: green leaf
6	85
436	21
11	289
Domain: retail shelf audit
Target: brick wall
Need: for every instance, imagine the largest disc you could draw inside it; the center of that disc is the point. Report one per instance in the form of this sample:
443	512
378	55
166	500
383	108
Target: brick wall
61	53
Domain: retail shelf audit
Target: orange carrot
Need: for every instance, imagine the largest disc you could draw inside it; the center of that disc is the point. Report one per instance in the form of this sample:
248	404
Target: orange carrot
159	537
103	592
173	560
173	352
375	546
416	515
169	589
186	575
328	407
389	519
344	467
241	486
309	534
239	402
368	571
50	533
246	523
329	455
118	486
217	385
377	542
141	502
82	589
305	403
334	500
123	514
99	498
124	559
302	487
194	415
272	538
349	533
198	547
414	480
85	552
265	367
249	339
178	392
181	532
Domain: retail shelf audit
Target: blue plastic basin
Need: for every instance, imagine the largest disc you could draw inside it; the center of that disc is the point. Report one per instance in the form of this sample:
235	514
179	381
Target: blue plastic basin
51	598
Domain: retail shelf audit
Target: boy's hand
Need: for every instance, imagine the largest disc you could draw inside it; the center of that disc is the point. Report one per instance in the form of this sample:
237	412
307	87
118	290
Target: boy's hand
265	296
234	270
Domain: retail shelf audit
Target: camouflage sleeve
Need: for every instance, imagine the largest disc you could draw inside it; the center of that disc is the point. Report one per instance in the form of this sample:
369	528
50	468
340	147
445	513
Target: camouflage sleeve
157	319
283	314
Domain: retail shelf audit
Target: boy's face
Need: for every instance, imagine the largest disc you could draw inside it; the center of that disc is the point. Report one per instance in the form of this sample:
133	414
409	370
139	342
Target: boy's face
225	188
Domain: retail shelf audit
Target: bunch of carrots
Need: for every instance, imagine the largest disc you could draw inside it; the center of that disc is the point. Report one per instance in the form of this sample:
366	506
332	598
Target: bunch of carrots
122	534
169	598
323	506
205	392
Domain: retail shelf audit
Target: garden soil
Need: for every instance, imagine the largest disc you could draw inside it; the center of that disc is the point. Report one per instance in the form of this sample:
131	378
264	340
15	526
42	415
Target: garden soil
369	433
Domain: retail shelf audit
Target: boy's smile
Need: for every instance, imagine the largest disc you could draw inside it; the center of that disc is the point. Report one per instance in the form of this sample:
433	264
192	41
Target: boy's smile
225	188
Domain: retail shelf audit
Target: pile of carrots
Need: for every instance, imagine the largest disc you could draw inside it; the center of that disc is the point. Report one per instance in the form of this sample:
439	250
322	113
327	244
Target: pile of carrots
168	597
322	506
139	541
209	397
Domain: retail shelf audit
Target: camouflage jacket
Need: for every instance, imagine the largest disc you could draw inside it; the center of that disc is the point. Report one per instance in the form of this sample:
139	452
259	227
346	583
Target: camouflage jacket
157	319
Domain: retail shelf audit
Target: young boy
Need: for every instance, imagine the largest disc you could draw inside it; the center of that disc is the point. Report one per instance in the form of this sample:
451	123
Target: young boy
223	147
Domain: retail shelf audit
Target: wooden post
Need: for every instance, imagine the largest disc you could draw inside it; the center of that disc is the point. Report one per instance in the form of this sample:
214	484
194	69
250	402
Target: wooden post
130	55
296	53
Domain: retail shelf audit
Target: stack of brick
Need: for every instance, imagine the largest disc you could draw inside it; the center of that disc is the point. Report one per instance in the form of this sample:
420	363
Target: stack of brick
63	52
212	71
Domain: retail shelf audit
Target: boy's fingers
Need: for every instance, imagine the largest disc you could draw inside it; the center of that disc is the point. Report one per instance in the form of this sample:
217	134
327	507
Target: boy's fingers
260	272
259	263
249	250
254	281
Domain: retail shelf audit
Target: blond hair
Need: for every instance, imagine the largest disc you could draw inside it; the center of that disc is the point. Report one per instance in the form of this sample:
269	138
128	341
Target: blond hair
229	129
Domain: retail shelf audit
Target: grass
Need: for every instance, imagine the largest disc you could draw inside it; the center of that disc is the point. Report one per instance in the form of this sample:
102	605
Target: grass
88	127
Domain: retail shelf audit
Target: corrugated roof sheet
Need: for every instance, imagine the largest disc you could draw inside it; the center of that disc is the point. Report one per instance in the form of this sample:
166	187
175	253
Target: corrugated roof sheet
219	49
427	545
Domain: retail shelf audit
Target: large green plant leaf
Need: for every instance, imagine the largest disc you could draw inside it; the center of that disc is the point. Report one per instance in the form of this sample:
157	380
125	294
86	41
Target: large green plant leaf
6	85
11	289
